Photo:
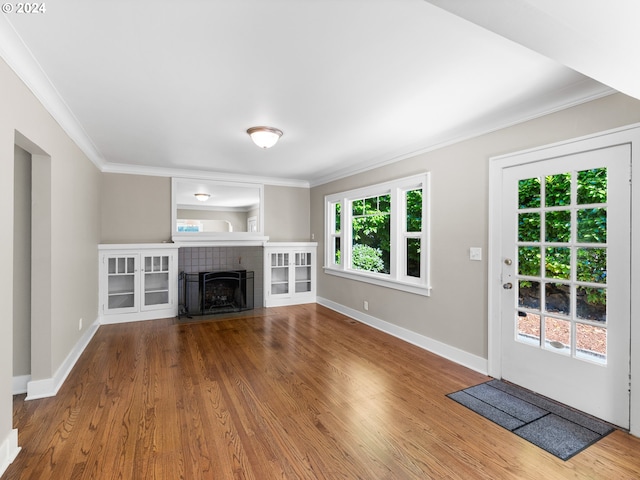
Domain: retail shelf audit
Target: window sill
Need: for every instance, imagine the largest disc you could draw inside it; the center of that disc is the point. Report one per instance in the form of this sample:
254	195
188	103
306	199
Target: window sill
378	280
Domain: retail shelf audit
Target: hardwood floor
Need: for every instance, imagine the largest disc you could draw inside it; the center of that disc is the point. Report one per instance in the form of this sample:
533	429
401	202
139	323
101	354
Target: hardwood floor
288	393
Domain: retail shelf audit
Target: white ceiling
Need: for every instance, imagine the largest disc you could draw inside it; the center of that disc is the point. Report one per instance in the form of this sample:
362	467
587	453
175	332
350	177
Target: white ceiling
170	87
599	38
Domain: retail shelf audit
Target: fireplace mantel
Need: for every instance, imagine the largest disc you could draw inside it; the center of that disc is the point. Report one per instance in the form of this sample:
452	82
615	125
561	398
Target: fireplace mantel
216	240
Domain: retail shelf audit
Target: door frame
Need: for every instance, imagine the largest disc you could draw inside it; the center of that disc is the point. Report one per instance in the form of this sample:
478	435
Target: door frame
625	135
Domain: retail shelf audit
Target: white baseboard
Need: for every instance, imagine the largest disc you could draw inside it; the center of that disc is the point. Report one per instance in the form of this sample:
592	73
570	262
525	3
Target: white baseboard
113	318
19	384
454	354
48	387
9	450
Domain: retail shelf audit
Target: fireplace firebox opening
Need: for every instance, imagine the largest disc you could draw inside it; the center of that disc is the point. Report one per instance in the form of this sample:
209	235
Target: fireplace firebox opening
207	293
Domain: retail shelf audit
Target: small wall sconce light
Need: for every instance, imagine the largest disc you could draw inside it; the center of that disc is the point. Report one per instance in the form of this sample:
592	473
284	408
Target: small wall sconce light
264	137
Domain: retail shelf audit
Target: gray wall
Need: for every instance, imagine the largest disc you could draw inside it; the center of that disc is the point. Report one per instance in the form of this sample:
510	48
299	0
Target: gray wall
456	311
22	263
73	207
286	216
135	208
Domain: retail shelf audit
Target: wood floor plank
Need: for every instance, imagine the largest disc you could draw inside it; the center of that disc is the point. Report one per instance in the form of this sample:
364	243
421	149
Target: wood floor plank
282	393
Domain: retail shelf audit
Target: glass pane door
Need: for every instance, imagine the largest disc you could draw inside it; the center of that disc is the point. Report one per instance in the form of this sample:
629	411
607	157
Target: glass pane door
562	258
566	280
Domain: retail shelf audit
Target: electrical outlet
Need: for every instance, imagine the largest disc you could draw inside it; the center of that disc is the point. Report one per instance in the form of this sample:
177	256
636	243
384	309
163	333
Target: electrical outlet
80	324
366	305
475	253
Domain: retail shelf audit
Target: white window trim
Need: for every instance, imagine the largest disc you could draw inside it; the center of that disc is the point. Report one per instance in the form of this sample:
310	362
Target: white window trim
397	278
331	235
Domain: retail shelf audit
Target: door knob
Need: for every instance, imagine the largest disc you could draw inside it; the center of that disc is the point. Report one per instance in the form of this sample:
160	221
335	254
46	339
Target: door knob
508	286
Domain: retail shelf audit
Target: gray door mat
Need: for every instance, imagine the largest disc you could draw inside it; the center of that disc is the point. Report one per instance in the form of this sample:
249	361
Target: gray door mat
560	430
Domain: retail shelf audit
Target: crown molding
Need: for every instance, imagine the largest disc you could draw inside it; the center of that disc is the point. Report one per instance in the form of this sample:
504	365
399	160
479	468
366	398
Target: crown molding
20	59
549	107
201	175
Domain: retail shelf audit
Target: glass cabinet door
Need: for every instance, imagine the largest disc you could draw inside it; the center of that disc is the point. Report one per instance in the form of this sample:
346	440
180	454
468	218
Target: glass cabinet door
289	273
303	272
279	273
121	281
156	280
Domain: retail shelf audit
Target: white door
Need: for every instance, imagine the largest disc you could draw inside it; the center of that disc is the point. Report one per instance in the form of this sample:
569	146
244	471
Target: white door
565	302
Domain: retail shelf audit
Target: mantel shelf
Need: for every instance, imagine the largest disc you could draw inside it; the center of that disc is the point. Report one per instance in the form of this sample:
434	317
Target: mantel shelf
222	241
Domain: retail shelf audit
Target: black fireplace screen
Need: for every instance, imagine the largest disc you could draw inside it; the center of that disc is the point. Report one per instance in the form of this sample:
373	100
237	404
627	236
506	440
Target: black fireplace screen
207	293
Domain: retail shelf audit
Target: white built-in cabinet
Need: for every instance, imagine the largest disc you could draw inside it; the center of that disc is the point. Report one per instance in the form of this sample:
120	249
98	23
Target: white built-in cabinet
289	273
138	282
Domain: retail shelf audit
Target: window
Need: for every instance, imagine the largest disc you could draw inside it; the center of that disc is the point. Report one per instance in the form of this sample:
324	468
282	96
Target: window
379	234
371	234
189	226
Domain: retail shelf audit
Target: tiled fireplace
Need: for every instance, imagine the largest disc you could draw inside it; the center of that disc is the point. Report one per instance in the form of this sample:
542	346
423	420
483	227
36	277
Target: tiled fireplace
195	260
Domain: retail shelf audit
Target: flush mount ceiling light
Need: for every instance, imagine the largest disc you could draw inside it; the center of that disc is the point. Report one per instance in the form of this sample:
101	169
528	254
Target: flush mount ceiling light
203	197
264	137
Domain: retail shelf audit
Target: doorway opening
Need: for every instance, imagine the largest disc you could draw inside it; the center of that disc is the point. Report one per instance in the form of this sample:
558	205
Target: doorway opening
32	263
540	329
